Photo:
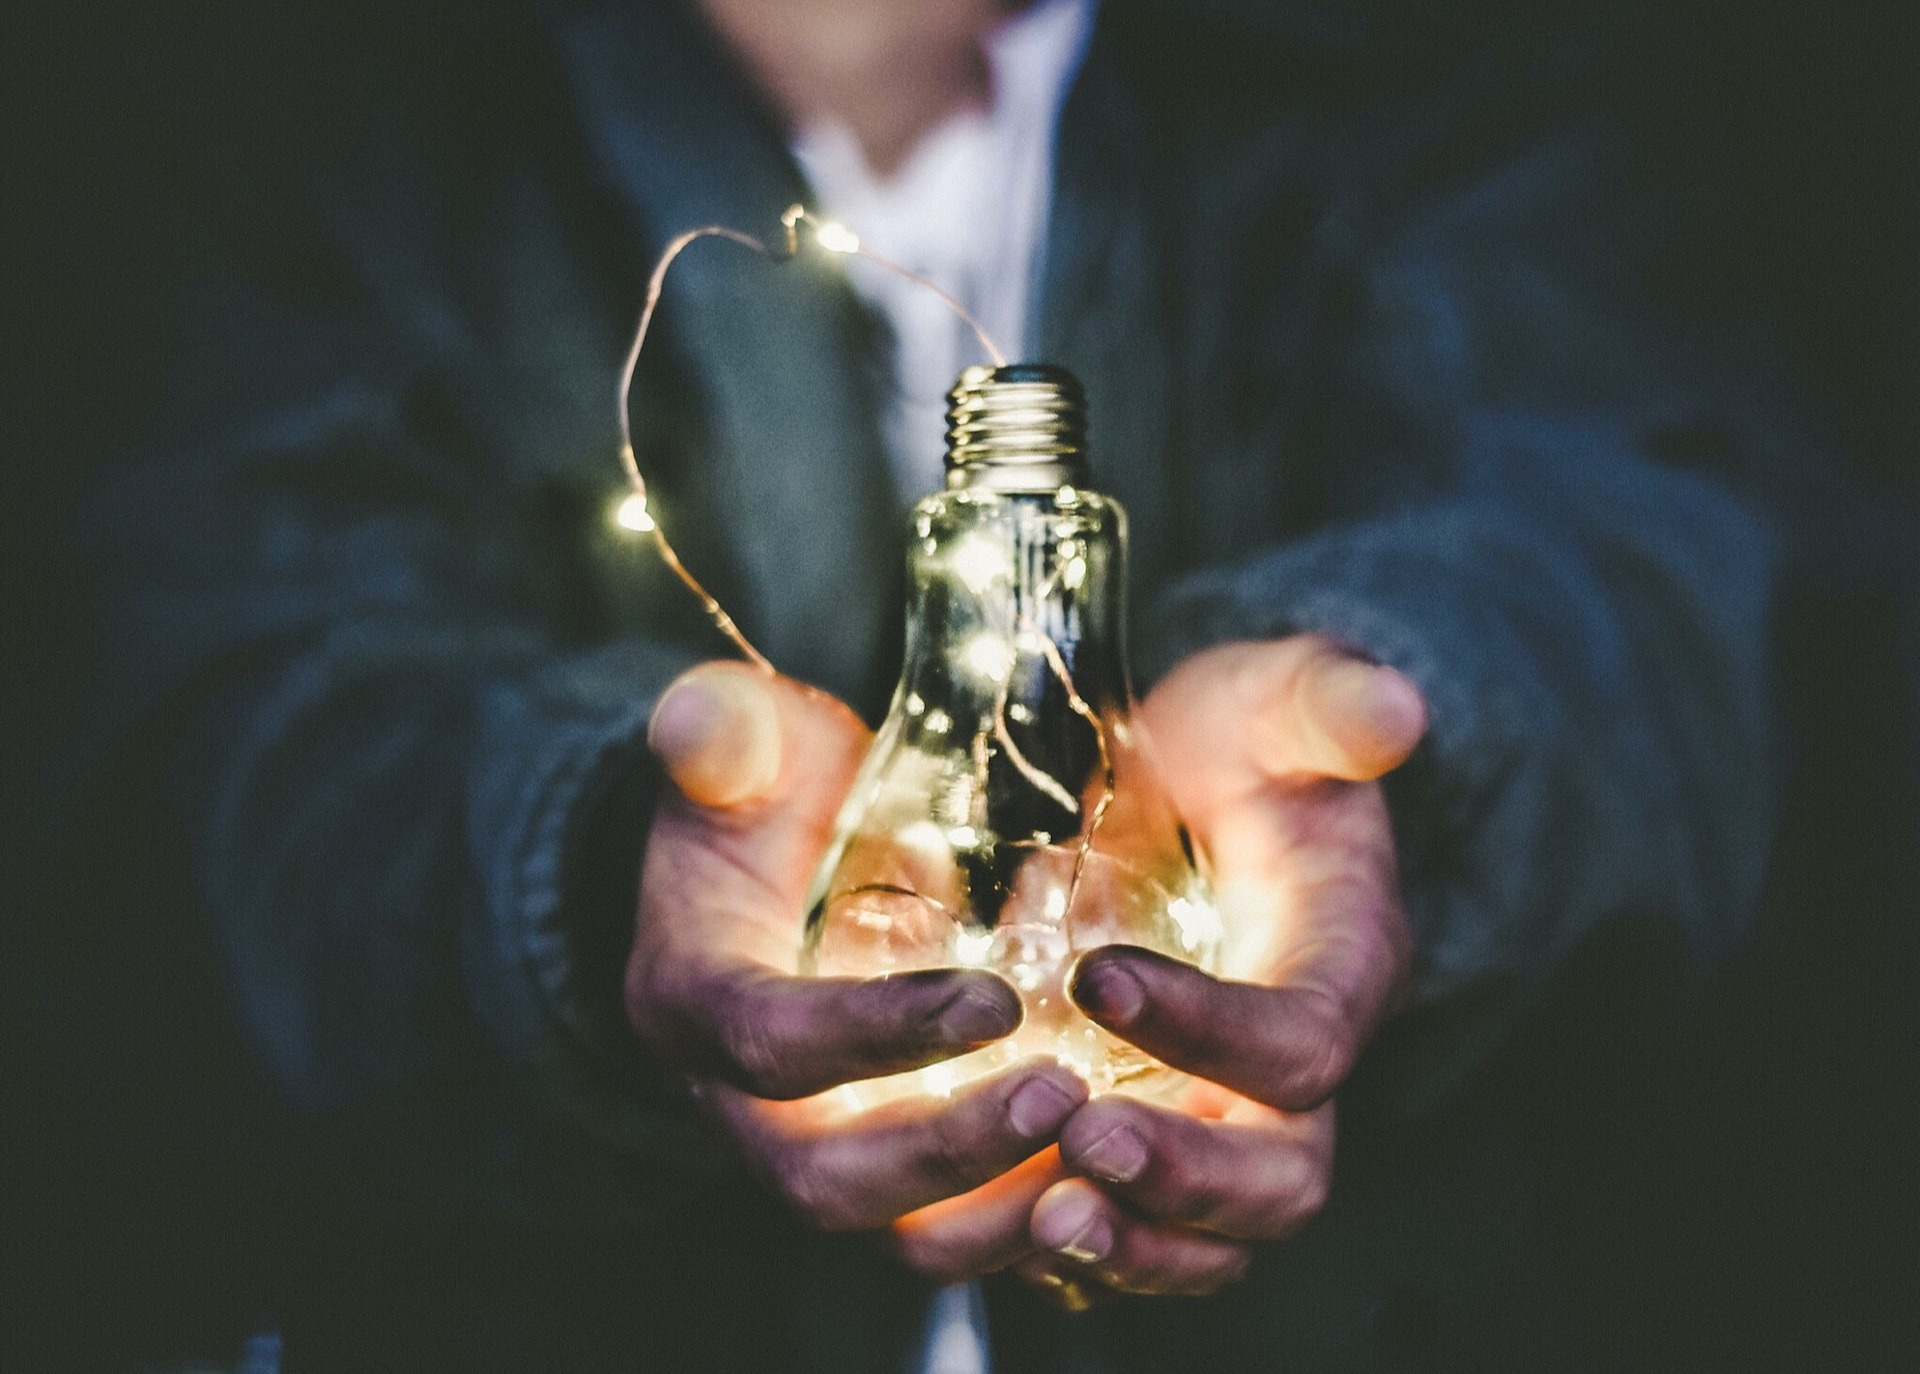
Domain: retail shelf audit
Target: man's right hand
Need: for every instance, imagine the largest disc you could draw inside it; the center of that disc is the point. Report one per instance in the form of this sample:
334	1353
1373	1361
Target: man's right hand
759	767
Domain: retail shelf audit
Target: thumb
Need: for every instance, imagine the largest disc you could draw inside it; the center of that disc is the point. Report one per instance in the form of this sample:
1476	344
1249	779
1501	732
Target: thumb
1297	707
716	731
1344	717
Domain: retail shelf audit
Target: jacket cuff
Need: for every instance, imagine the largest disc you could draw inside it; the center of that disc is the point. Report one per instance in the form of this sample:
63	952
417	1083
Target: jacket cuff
561	799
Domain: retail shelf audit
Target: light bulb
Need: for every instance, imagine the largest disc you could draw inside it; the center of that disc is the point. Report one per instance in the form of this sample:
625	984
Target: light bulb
1008	817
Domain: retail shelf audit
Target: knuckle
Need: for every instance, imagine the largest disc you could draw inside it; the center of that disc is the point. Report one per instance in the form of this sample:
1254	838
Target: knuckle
1315	1187
1324	1053
1137	1270
932	1259
1183	1191
1226	1272
1299	1204
886	1011
752	1055
949	1160
813	1191
754	1050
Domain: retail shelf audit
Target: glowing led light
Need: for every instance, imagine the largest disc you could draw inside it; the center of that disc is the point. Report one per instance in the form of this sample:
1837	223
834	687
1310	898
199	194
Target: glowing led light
972	947
837	238
632	514
924	837
988	656
940	1079
1074	573
1198	923
963	837
1056	904
1077	1063
978	563
938	722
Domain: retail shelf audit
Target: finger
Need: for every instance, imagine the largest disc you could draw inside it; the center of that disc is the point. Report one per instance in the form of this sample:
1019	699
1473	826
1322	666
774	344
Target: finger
730	735
1342	717
863	1172
1257	1178
981	1232
1061	1282
781	1037
723	887
1079	1222
1288	1046
1302	706
716	730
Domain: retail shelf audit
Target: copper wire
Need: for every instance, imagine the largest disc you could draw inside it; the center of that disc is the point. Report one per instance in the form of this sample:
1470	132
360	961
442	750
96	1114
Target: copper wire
797	215
1050	650
631	464
791	220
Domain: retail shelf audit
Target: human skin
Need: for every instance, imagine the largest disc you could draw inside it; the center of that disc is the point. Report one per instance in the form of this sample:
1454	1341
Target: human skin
1273	753
889	71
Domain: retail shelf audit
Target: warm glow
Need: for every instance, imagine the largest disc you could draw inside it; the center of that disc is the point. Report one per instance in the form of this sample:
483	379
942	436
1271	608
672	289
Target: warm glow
987	655
940	1079
632	514
1198	923
973	948
837	238
978	562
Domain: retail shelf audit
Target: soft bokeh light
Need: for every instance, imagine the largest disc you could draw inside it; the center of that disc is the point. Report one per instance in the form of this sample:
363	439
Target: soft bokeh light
837	238
631	513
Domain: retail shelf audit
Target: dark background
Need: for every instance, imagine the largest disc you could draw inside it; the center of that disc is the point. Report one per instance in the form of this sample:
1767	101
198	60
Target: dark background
1730	1183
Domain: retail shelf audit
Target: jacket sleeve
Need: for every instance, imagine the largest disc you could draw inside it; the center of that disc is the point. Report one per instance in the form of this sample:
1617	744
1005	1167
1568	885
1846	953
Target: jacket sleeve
410	766
1566	528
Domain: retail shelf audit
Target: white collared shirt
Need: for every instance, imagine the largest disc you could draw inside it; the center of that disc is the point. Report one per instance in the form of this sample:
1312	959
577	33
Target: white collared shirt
968	210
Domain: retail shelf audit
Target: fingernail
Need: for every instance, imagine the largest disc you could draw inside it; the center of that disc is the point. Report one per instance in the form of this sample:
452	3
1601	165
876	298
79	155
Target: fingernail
1119	1156
1040	1108
1108	992
980	1013
1072	1226
1395	704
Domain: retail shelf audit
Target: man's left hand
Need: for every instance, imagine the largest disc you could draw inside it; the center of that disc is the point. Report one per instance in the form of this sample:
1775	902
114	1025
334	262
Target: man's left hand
1273	754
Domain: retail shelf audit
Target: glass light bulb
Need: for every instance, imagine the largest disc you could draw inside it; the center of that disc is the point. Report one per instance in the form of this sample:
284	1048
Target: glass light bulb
993	824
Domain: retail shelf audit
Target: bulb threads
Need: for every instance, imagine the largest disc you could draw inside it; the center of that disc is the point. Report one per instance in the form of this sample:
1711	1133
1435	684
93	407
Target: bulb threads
1019	428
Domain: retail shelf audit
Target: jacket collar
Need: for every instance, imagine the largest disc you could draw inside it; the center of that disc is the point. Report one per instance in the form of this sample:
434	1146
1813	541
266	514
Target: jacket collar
1101	308
796	470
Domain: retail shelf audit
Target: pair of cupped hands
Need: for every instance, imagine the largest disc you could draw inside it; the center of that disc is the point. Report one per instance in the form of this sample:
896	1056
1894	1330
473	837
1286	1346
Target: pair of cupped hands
1272	752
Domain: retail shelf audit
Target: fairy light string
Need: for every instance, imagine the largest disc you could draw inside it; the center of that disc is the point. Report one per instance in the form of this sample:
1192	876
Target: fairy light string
834	238
636	514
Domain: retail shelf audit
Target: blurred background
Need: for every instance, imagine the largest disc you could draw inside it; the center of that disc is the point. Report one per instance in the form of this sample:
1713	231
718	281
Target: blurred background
1727	1186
